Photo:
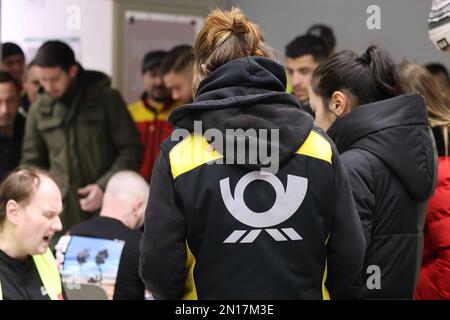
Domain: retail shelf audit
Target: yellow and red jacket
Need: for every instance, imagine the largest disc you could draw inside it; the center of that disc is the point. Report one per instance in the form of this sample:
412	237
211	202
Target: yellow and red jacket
154	127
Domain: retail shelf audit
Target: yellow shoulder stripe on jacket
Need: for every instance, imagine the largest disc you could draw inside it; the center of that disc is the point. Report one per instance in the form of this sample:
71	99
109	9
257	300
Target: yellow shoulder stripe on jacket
190	291
317	147
191	153
325	293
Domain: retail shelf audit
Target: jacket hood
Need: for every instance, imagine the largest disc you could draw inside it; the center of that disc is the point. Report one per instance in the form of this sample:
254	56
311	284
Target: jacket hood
247	93
396	131
90	77
84	79
97	77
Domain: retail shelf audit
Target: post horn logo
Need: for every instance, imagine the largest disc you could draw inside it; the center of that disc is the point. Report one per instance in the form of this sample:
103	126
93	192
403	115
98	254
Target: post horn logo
286	204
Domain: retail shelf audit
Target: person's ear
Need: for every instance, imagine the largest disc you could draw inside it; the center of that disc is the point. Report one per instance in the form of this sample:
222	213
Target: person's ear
137	209
340	103
137	205
73	71
13	211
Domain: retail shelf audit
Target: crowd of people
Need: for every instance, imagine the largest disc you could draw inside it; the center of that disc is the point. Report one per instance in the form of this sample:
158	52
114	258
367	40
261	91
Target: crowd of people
103	200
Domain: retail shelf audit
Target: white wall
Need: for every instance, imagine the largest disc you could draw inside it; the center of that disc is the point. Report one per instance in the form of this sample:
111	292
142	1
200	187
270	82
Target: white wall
404	24
97	41
85	24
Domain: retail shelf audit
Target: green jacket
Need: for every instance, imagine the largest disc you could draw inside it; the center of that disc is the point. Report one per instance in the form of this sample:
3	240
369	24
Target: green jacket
82	138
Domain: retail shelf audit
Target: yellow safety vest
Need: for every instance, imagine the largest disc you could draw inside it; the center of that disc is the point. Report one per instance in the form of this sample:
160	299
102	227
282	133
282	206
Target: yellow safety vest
49	274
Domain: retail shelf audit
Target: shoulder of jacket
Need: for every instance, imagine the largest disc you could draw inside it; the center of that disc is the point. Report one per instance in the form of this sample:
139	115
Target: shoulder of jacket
105	97
96	89
136	105
362	161
317	145
170	142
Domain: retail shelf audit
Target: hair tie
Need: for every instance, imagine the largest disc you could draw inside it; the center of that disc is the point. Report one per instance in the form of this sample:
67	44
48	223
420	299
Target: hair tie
365	57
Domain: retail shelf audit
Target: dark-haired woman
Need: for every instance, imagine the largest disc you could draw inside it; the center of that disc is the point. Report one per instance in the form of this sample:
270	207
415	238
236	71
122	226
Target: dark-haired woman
385	145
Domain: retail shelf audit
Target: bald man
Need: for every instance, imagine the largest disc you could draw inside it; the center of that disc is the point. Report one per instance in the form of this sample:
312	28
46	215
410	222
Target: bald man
120	218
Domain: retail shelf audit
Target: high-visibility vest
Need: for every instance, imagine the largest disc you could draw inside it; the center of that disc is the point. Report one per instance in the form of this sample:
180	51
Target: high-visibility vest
49	274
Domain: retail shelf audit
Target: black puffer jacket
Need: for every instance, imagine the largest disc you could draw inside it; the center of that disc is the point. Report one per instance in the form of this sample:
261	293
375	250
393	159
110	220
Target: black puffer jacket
387	150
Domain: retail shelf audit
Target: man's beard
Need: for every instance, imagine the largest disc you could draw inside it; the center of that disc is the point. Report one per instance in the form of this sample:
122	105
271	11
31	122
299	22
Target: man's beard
161	98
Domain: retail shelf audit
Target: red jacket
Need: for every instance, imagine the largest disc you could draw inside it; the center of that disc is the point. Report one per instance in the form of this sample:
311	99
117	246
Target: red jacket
154	127
434	278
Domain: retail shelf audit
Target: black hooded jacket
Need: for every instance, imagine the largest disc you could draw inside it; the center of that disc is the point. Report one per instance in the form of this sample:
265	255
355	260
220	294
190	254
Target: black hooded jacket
228	231
389	155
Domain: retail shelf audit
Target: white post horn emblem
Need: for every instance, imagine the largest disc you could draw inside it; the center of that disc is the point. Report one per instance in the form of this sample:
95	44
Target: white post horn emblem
286	204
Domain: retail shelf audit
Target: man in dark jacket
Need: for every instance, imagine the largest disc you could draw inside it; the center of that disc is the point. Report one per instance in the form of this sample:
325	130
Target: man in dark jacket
231	231
80	130
12	124
120	219
390	160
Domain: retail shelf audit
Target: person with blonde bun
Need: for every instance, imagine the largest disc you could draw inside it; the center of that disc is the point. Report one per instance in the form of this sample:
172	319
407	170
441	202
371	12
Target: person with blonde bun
233	223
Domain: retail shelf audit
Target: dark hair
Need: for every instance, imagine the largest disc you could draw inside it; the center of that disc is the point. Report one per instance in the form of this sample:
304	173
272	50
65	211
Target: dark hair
325	33
435	68
307	44
6	77
20	185
11	49
177	59
152	59
55	54
370	77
